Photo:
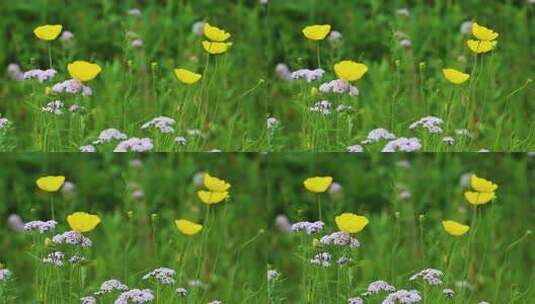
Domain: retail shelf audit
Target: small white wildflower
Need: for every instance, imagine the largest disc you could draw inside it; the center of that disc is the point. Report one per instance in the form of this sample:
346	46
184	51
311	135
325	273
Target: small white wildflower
430	123
162	123
134	144
403	145
377	135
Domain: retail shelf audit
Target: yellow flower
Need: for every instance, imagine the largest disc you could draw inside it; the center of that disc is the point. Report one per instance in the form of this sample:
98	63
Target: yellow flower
215	34
482	33
482	185
82	221
216	48
454	228
187	77
215	184
83	70
454	76
212	198
187	227
317	32
50	183
479	198
351	223
318	184
350	71
480	47
48	32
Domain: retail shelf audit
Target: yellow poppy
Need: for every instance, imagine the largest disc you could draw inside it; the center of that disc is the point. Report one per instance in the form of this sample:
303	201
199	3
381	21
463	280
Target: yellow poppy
212	198
48	32
215	184
83	222
318	184
480	47
482	185
215	34
216	48
349	70
187	77
83	70
482	33
454	228
50	183
187	227
454	76
479	198
317	32
351	223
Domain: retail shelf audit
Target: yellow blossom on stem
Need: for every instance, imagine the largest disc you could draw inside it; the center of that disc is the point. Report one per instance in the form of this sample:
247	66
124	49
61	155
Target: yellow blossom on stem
317	32
83	222
318	184
187	227
351	223
50	183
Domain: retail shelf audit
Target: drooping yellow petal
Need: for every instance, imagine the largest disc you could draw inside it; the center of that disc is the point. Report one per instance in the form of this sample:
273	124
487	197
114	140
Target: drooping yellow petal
50	183
480	47
82	221
187	77
482	185
317	32
215	34
48	32
479	198
483	33
215	184
454	228
350	70
216	48
318	184
454	76
351	223
83	70
188	227
211	198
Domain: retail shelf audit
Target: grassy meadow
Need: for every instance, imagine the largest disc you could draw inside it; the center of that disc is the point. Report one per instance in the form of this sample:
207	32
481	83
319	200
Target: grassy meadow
249	248
246	99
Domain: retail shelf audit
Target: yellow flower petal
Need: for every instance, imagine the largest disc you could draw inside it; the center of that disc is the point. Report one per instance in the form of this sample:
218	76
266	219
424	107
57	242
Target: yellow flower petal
454	76
48	32
212	198
479	198
482	185
216	48
454	228
480	47
83	70
317	32
215	34
318	184
483	33
187	227
349	70
50	183
215	184
82	221
187	77
351	223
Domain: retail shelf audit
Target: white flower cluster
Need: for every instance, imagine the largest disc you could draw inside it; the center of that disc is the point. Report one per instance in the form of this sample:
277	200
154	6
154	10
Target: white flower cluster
163	275
309	227
162	123
72	238
40	226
